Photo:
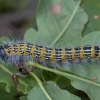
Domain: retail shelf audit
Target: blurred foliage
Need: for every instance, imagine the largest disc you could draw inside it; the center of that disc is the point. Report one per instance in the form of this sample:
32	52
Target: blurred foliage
12	5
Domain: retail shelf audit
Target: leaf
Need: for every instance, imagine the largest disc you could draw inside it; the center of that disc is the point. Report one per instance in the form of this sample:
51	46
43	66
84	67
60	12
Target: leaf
30	36
54	91
92	9
69	22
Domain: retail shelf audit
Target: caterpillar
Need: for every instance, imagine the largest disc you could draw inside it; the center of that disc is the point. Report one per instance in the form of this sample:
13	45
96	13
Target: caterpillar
17	53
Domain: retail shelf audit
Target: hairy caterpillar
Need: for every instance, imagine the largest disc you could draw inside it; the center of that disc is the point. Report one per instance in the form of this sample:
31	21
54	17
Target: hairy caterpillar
17	53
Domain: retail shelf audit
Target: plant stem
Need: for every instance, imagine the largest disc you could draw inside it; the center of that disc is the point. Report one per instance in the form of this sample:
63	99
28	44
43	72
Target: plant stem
63	73
67	25
40	84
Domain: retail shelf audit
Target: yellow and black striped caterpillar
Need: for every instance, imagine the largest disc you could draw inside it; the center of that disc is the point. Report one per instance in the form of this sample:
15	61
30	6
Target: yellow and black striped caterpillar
16	53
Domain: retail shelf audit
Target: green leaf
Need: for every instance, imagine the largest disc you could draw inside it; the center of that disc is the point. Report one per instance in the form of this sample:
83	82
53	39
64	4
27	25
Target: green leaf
63	28
92	38
30	36
92	8
53	90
